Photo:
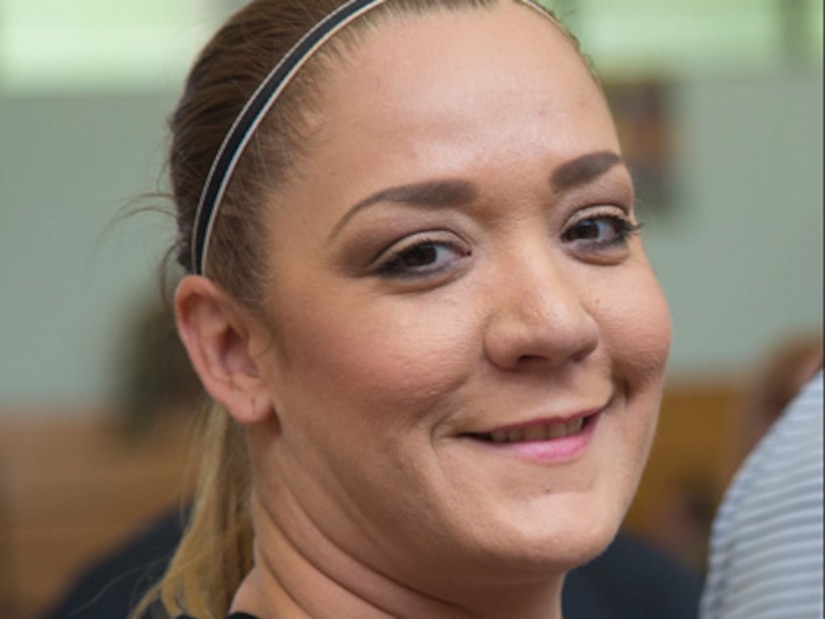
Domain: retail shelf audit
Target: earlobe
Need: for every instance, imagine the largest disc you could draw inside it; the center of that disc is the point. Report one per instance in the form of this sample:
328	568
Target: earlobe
218	336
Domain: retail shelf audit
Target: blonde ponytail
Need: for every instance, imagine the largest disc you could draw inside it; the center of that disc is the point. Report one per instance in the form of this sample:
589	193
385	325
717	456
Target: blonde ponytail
215	553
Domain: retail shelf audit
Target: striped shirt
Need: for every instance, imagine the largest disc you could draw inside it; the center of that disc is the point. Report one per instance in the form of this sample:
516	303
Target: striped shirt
766	546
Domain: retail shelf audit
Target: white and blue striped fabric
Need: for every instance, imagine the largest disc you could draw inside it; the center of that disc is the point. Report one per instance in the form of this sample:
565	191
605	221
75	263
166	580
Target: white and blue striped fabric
766	548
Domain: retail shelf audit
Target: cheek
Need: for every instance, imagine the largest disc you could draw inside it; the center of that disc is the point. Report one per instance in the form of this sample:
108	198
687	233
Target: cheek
635	324
381	363
636	332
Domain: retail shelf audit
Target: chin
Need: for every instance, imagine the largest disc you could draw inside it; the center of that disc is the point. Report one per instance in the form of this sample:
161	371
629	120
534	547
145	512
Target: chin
538	550
571	549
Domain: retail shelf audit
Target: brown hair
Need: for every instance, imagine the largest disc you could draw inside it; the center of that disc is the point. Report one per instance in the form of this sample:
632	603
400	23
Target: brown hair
216	551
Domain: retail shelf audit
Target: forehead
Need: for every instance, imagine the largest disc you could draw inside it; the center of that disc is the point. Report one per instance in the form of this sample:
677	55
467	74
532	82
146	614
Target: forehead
472	94
443	69
462	52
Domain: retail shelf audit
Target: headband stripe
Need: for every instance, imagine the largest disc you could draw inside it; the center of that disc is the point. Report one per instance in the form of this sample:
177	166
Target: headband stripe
253	112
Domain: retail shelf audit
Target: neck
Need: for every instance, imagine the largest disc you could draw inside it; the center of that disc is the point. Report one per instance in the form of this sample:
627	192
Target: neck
300	573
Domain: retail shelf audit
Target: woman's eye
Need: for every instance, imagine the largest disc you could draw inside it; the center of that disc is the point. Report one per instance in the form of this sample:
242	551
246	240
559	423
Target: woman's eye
601	231
421	258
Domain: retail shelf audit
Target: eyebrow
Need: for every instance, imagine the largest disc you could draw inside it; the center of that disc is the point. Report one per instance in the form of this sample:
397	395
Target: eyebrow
584	169
447	193
430	194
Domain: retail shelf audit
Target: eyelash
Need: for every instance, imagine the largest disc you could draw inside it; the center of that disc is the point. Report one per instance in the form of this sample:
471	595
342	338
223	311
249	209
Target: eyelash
623	229
393	264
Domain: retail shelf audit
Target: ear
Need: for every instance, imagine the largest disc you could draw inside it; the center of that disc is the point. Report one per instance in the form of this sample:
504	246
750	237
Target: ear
221	339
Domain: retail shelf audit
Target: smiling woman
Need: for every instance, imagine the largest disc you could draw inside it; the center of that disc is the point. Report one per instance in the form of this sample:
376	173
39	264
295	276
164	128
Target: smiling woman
416	292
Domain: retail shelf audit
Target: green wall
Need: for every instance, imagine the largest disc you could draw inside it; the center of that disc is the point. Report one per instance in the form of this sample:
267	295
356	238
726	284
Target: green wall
69	274
740	258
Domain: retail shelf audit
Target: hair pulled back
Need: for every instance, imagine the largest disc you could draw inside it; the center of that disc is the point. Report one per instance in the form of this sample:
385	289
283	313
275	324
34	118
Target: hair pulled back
216	551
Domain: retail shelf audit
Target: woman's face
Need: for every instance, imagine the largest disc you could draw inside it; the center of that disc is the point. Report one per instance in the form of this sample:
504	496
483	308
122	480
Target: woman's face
469	342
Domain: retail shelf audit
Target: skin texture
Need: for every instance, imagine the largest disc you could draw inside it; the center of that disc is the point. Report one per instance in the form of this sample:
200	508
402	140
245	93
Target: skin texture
496	288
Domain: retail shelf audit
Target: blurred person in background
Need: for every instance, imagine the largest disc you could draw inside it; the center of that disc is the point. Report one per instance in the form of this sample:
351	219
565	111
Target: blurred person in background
766	553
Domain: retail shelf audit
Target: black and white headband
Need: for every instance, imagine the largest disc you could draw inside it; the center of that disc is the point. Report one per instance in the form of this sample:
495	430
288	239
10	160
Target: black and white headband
251	116
253	112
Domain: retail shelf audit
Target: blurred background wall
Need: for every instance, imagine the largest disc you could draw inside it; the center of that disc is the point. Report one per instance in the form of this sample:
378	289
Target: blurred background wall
735	232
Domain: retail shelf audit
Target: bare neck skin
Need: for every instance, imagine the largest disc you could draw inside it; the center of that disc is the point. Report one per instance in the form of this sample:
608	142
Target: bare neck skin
306	576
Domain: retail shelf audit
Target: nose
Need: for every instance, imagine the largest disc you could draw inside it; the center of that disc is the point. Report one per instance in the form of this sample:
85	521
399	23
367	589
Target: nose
540	315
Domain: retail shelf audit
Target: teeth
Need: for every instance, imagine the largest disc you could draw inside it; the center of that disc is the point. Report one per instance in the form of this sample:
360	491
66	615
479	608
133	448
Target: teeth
535	433
499	436
573	426
541	432
556	430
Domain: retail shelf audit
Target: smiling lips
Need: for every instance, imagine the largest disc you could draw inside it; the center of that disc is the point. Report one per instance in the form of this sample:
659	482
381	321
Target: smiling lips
535	432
